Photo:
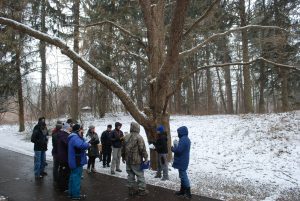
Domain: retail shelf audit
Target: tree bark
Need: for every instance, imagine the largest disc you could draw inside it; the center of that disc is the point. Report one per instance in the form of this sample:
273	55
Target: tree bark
246	71
209	86
221	91
75	88
42	50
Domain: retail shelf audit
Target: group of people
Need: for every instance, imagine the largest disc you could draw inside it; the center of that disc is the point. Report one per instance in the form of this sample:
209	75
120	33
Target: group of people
70	147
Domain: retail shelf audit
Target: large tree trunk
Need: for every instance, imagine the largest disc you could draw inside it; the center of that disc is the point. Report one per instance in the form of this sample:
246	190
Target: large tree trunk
221	91
246	71
20	87
209	86
42	50
139	95
262	83
75	88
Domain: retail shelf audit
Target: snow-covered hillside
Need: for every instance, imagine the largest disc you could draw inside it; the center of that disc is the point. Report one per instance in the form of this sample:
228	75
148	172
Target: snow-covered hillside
245	157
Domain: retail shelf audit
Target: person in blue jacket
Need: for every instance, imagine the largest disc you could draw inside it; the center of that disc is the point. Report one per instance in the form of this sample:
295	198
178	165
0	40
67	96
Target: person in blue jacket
76	159
181	161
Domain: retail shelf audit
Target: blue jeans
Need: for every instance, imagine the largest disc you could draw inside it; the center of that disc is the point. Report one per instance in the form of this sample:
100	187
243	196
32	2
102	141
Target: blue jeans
39	165
74	182
185	182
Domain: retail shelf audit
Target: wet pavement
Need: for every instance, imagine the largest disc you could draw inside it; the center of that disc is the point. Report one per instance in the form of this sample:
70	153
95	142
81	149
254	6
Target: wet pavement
18	184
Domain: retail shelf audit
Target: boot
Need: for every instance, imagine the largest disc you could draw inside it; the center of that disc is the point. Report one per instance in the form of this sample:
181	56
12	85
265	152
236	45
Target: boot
188	193
131	191
143	192
158	175
181	192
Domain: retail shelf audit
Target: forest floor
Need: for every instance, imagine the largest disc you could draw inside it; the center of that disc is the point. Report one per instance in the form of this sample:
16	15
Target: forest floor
233	157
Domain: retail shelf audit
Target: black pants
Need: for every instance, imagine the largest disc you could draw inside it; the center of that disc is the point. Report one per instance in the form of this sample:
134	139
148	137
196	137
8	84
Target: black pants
106	151
55	169
63	176
91	162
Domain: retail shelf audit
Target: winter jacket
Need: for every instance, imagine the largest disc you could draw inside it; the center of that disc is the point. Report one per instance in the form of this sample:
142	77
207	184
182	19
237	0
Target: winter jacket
76	151
116	138
134	149
94	141
54	142
161	144
182	150
40	137
62	147
105	139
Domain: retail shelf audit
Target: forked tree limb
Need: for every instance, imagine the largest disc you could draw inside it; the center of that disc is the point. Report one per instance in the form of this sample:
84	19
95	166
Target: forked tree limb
202	17
186	76
215	36
107	81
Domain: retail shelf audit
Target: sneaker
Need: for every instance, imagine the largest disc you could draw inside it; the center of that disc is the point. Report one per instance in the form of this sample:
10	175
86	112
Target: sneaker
81	197
44	173
157	176
143	192
39	177
93	170
165	178
181	192
88	171
118	170
112	172
188	194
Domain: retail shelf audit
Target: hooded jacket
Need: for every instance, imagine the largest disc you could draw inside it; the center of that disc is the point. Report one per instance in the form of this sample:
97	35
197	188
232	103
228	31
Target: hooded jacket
76	151
182	151
62	147
134	149
93	150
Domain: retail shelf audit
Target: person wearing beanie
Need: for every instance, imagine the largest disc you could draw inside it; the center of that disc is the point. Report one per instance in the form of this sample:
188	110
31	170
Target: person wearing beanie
93	151
54	150
106	146
62	157
134	153
161	146
40	139
117	140
181	161
76	160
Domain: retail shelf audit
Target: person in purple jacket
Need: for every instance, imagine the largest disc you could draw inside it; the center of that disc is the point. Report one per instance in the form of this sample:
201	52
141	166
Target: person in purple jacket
62	157
76	159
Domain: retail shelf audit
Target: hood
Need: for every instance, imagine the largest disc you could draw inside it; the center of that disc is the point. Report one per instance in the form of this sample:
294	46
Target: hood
182	131
72	135
134	127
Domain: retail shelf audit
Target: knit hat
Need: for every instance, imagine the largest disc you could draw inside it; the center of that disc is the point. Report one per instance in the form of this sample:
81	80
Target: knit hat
109	126
58	124
117	124
76	127
91	126
160	129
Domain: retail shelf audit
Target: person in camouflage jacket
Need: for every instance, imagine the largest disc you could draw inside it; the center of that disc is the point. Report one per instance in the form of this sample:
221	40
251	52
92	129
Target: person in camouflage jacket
133	153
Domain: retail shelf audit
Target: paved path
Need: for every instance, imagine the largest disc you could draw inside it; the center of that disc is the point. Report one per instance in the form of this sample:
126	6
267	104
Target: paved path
18	184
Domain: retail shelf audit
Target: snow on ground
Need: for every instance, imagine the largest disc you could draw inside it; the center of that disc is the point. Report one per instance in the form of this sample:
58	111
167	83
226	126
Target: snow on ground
233	157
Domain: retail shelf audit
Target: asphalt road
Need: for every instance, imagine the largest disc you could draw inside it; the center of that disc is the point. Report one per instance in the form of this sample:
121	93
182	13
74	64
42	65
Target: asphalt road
18	184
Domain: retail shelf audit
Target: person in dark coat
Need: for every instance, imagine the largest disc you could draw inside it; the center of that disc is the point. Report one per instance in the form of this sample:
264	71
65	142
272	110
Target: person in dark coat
106	146
93	151
54	150
181	161
62	157
117	140
161	146
40	140
76	159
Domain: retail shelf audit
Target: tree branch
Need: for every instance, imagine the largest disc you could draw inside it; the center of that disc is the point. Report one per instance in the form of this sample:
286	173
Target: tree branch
179	82
211	38
125	31
108	82
202	17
